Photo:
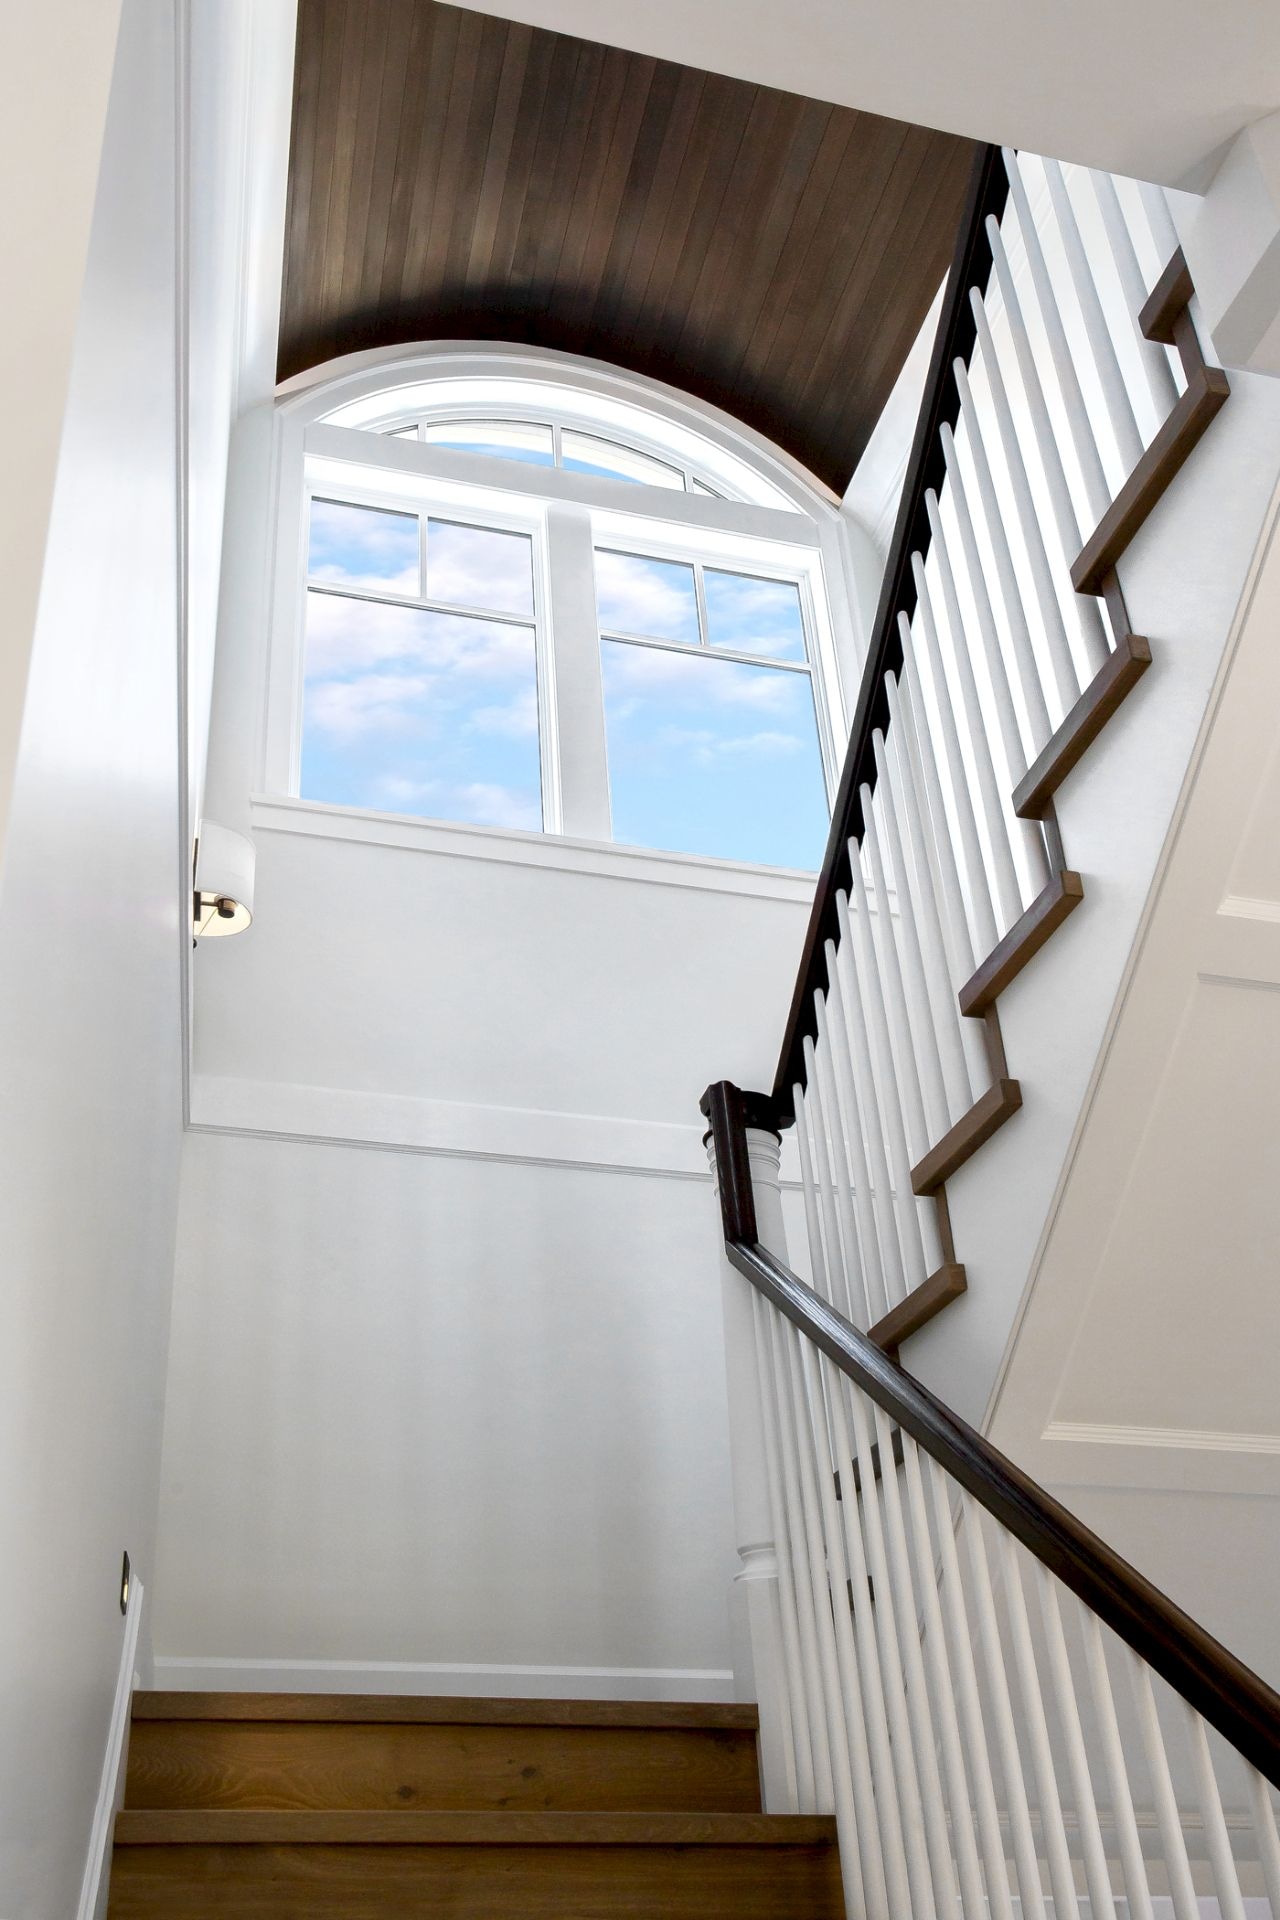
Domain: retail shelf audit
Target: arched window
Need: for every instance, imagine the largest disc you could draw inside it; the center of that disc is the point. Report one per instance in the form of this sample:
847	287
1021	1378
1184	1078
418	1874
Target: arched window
526	593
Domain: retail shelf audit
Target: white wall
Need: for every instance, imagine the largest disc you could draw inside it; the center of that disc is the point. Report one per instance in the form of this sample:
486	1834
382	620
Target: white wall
455	1394
89	986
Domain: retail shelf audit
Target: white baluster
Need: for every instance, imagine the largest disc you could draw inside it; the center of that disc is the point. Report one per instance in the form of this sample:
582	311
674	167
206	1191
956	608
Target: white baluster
888	1083
885	933
820	1256
994	812
936	821
1137	1884
970	1703
1164	234
1153	357
923	1905
1030	1887
1263	1818
1066	679
1098	492
1101	345
981	912
1066	520
943	1006
1217	1839
859	1173
1030	682
1172	1842
919	1010
1052	1827
886	1763
1097	1877
942	1689
837	1218
788	1606
854	994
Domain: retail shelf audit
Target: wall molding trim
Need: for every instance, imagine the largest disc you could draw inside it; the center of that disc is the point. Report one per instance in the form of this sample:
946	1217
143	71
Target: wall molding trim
1191	1439
94	1887
217	1674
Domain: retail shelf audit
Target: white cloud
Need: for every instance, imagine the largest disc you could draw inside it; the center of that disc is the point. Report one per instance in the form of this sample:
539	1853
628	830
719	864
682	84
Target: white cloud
376	703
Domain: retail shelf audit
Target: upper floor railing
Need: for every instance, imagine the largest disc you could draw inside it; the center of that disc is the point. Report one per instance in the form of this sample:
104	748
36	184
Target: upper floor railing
1062	398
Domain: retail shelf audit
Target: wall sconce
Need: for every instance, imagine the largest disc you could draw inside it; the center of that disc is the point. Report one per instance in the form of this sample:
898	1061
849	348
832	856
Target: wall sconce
223	901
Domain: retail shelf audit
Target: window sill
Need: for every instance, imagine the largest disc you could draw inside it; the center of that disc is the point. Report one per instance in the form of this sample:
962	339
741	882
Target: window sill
508	846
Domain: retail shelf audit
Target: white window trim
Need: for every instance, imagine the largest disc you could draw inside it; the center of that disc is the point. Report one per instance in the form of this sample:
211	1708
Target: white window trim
567	514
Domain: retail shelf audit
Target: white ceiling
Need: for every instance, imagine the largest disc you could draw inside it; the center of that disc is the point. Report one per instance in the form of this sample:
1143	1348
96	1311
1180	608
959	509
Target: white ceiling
1147	1364
1151	89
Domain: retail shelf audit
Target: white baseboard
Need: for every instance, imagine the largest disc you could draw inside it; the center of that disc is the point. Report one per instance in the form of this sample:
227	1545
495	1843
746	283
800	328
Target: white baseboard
216	1675
94	1886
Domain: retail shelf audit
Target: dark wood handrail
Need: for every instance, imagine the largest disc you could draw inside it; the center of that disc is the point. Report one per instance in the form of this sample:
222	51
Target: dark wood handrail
926	470
1229	1695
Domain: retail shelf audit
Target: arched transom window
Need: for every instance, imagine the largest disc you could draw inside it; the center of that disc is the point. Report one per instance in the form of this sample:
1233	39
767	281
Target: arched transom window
511	599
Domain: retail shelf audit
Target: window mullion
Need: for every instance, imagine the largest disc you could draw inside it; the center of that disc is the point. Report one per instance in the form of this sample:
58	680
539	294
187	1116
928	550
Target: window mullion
577	688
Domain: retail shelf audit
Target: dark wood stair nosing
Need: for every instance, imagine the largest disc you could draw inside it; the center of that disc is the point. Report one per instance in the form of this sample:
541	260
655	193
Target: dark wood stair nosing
432	1710
1062	894
919	1307
990	1111
1110	686
150	1827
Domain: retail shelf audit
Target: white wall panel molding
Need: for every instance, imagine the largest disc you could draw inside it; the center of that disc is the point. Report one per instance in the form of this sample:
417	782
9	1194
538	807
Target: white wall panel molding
339	1116
443	1678
509	847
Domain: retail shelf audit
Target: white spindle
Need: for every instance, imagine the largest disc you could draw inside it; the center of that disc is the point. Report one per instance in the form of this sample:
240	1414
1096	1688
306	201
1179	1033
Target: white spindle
951	1584
852	1099
935	820
994	811
943	1007
890	1643
919	1703
885	931
891	1769
1097	1876
1066	680
837	1212
1101	345
855	1803
788	1609
981	912
1154	358
1173	1844
1262	1815
1052	1826
1066	519
854	994
1217	1839
1164	234
820	1253
920	1020
932	1637
806	1598
1137	1884
1017	1803
1097	491
887	1082
1030	683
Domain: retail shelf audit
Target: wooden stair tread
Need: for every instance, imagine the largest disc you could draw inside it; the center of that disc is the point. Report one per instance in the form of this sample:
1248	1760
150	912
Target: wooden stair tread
148	1827
429	1710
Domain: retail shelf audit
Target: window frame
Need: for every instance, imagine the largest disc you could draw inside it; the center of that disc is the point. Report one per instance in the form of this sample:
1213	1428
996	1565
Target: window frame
568	515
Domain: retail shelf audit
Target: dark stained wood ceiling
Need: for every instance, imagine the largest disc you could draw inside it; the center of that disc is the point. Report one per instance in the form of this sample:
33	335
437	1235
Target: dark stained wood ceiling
455	176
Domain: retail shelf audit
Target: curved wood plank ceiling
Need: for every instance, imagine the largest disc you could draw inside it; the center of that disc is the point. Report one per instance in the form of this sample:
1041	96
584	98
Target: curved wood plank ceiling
457	176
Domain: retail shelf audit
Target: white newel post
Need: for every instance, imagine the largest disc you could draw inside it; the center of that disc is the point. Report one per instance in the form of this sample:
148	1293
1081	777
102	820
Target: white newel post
755	1617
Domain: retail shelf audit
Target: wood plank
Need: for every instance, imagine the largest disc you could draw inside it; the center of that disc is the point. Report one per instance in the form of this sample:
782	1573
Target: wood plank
796	1881
1187	424
438	1710
921	1305
454	175
998	1104
1112	684
144	1827
1167	301
241	1763
1059	897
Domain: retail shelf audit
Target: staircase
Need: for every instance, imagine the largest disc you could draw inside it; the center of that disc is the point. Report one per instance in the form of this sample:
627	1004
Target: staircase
293	1805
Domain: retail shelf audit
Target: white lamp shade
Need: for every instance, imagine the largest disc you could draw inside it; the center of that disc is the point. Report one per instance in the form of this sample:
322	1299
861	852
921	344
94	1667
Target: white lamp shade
225	865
